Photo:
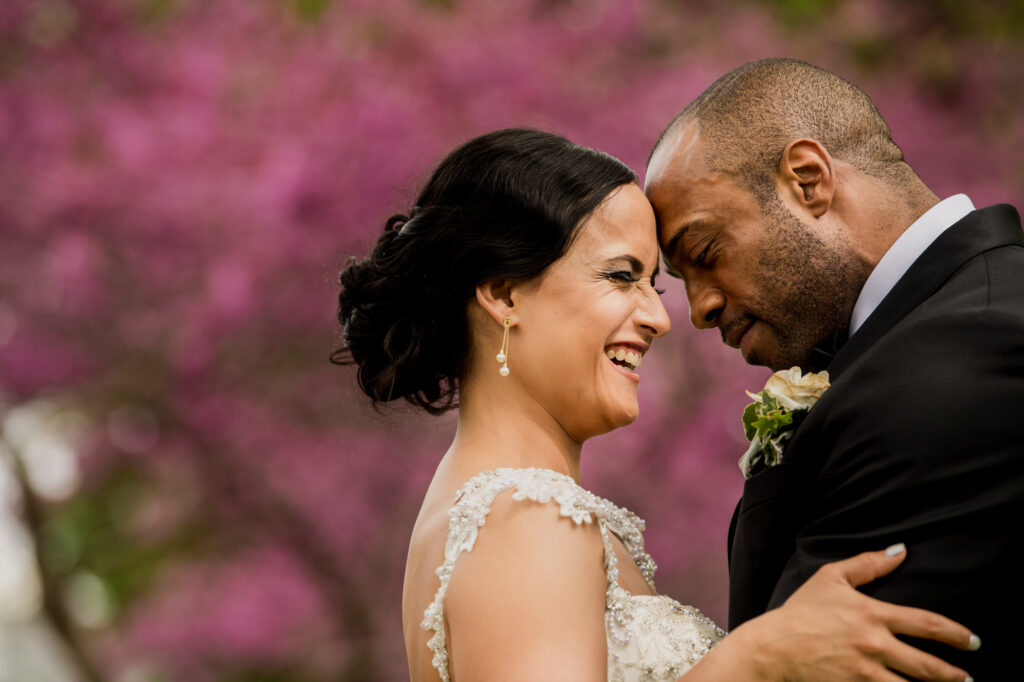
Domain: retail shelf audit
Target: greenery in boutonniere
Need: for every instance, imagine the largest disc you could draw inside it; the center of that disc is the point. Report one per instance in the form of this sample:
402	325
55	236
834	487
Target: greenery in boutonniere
776	412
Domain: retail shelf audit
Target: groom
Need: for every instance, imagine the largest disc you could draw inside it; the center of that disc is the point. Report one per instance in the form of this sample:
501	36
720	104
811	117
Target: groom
806	240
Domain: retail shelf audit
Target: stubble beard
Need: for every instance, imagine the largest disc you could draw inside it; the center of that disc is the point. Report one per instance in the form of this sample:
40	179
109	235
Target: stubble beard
808	288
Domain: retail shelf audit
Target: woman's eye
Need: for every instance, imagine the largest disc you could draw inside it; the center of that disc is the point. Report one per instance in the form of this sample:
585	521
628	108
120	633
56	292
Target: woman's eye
622	276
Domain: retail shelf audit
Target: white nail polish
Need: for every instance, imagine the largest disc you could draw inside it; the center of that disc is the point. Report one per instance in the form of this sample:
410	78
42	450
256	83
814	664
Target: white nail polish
968	679
974	643
894	550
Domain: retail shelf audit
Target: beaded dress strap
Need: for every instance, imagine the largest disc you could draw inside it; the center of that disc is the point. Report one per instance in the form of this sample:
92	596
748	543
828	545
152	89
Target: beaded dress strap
473	504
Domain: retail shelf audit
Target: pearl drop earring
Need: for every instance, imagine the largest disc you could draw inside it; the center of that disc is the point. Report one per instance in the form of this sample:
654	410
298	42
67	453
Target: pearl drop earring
503	353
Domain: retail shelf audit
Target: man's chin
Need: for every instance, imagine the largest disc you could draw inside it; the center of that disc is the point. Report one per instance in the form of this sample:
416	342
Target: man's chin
754	355
805	362
777	360
752	358
763	346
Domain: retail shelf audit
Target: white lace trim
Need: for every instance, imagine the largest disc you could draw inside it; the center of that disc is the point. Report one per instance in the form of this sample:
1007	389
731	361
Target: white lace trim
650	637
473	504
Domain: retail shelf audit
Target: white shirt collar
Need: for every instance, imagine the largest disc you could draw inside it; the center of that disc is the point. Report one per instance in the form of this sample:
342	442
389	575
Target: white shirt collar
904	251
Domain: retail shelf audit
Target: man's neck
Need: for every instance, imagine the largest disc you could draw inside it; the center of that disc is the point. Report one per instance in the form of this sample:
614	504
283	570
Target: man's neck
903	252
883	216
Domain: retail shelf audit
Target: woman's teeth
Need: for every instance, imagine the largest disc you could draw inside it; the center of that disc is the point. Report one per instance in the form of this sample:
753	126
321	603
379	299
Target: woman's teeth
630	358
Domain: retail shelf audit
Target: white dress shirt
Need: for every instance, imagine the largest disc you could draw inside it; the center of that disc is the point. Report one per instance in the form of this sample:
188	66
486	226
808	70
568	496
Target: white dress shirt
904	251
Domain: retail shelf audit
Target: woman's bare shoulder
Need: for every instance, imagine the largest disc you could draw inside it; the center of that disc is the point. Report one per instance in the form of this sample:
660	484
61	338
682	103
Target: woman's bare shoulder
530	596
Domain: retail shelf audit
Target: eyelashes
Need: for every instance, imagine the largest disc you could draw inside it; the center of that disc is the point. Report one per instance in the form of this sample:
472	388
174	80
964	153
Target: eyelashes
624	276
701	260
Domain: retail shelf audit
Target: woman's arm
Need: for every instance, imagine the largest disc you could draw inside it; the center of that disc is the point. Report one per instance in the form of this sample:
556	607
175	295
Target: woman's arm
528	602
827	630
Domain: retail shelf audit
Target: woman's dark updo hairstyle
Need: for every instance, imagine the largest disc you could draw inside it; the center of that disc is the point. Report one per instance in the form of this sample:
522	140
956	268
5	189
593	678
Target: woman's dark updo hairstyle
505	205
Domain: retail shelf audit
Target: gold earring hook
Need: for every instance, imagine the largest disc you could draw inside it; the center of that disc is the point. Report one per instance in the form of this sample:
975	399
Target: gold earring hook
503	353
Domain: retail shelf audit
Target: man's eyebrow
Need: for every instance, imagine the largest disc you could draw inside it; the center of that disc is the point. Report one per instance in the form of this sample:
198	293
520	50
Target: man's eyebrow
673	243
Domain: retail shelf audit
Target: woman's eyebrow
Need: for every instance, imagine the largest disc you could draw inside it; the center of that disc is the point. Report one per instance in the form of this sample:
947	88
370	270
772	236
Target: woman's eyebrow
635	264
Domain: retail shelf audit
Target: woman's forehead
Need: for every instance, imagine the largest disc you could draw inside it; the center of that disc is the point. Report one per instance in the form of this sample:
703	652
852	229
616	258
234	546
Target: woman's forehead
624	221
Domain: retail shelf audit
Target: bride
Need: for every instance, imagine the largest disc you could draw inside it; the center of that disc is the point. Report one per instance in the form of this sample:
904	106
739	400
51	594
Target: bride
522	286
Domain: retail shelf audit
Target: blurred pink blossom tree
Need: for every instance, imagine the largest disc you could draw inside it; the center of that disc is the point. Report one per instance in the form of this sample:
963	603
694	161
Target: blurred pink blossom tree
180	183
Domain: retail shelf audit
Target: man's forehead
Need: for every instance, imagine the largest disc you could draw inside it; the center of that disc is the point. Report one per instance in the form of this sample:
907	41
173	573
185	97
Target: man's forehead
679	152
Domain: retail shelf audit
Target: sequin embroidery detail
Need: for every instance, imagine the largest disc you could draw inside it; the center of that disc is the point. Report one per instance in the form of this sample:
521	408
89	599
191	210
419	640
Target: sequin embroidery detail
650	637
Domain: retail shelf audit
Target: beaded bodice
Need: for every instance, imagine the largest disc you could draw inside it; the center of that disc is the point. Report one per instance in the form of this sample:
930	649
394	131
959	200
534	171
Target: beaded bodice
650	637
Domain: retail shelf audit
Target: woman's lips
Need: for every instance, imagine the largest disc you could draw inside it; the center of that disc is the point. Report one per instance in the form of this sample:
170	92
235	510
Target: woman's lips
625	358
630	356
625	371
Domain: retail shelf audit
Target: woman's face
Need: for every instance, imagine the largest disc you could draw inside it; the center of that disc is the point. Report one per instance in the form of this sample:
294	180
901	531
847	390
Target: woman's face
596	301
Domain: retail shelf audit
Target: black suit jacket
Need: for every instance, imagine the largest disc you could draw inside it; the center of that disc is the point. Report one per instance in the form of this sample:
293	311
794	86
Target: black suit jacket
919	440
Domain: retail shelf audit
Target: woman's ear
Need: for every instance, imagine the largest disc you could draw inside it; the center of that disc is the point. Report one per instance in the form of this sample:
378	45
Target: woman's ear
496	297
807	176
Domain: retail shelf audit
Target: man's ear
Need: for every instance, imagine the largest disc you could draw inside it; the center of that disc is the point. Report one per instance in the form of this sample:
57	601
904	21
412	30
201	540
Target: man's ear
497	299
807	176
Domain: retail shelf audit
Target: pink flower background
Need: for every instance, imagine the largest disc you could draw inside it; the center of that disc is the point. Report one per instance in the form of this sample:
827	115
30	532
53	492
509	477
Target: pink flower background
180	182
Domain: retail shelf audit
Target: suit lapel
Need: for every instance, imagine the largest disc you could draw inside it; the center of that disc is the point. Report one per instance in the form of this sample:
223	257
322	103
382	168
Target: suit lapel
976	233
732	527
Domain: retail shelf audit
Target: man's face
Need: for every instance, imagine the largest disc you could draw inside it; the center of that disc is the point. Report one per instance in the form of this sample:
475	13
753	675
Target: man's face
773	286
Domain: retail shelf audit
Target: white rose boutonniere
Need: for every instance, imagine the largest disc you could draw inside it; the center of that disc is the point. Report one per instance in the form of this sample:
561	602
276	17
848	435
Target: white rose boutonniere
776	412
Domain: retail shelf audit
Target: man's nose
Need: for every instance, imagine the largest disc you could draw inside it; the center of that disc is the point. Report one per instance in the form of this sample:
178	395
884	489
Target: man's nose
706	306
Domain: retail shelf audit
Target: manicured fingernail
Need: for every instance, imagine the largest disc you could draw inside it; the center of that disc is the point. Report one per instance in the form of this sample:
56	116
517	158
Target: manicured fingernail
968	679
894	550
974	643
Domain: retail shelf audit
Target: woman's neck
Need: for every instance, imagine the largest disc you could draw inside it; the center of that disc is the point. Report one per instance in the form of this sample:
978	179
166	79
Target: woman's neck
498	429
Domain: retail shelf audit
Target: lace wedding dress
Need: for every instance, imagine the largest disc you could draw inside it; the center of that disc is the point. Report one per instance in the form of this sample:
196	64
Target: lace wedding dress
650	637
